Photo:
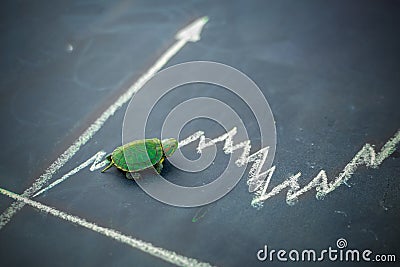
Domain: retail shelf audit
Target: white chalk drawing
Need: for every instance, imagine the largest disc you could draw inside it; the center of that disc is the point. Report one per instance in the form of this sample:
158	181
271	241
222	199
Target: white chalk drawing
228	146
258	181
366	156
146	247
190	33
97	164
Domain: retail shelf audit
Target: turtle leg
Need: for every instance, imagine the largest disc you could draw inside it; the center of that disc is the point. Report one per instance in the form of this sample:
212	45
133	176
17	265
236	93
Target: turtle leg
109	165
159	166
132	175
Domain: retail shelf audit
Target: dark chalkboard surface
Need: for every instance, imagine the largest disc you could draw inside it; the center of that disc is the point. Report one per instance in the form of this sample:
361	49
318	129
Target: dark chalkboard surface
330	72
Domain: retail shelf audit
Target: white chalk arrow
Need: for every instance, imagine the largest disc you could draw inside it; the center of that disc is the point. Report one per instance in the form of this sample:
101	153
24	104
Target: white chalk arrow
190	33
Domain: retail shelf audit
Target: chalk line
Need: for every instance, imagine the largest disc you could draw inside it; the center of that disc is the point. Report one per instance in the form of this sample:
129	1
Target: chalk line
255	176
229	147
366	156
190	139
97	164
190	33
146	247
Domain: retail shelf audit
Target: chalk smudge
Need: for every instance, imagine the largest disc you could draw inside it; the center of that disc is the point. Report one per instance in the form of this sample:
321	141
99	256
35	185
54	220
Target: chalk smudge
200	214
341	212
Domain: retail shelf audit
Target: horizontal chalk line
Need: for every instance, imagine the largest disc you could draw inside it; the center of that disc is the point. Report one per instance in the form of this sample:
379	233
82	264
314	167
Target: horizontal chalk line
146	247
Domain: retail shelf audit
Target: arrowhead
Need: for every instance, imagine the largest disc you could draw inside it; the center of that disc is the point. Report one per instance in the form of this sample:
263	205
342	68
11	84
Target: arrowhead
192	31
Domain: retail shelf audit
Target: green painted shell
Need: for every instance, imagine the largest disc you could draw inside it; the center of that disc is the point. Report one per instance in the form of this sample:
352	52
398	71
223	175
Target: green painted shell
137	155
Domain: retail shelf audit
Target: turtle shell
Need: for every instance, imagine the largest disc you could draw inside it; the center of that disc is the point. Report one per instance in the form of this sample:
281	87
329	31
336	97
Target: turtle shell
138	155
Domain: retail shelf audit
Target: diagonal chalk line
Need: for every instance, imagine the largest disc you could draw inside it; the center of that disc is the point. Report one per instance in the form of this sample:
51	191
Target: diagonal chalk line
146	247
190	33
97	164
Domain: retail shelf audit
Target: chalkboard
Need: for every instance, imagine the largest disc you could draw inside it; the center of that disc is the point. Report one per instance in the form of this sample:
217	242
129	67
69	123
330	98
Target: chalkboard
329	71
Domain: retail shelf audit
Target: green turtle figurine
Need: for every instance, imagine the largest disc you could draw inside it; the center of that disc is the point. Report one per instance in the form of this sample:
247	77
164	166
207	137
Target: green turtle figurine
140	155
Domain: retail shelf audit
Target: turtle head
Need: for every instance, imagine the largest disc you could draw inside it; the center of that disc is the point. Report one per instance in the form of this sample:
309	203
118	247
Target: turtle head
169	146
